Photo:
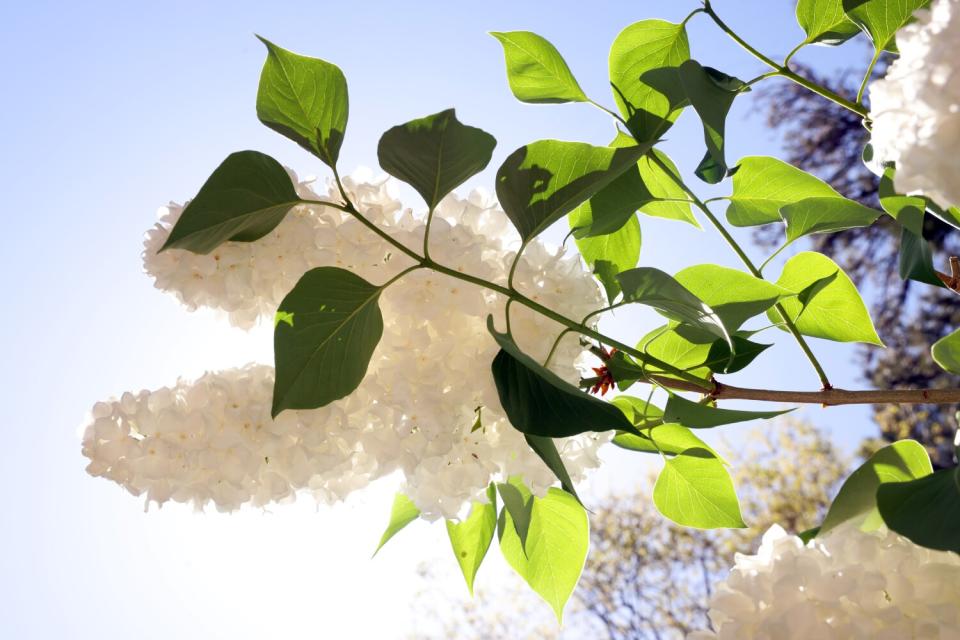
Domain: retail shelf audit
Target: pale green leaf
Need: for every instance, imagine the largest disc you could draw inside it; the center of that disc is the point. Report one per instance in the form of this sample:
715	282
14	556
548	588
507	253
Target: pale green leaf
946	352
822	215
556	548
836	312
471	538
402	513
881	19
665	191
620	250
695	490
763	185
643	74
824	22
735	296
535	69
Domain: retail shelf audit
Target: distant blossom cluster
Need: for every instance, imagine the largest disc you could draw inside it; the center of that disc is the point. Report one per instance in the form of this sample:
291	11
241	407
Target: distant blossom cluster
915	108
847	584
212	440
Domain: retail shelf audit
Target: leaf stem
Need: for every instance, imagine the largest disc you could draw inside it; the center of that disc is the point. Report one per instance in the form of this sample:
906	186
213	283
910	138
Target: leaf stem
732	242
783	70
868	75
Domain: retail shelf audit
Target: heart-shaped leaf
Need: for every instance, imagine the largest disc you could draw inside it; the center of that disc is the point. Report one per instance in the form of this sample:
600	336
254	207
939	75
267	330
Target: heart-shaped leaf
536	71
695	490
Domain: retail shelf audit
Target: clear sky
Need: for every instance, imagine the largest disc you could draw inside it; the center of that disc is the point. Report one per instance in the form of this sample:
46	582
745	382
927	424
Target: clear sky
111	109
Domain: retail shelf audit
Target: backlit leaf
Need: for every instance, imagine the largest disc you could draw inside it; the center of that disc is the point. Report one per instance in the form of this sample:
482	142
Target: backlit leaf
695	490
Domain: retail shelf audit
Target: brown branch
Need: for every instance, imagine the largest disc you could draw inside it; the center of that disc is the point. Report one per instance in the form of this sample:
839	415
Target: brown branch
951	281
826	397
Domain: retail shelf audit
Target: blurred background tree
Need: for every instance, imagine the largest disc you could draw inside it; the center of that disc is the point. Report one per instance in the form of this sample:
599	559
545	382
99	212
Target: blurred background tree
827	140
646	577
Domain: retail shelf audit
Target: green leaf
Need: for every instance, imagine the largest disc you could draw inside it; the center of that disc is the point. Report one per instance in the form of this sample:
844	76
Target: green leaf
898	462
822	215
610	254
711	93
615	204
643	74
640	413
402	513
244	199
669	439
664	190
700	416
435	154
547	179
836	312
881	19
654	288
668	345
536	71
824	22
331	326
734	295
304	99
808	535
538	402
916	255
471	538
925	510
546	449
695	490
745	352
763	185
946	352
518	504
556	548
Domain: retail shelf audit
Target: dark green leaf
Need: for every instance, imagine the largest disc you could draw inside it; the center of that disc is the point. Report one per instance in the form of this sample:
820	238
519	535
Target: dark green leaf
916	259
946	352
809	534
700	416
556	548
643	74
536	71
763	185
745	352
547	179
925	510
244	199
538	402
471	538
328	328
822	215
654	288
695	490
824	22
402	513
881	19
857	499
711	93
916	256
435	154
304	99
546	448
835	311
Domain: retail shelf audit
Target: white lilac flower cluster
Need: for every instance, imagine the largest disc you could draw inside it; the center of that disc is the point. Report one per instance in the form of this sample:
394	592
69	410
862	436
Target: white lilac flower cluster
915	108
214	440
847	584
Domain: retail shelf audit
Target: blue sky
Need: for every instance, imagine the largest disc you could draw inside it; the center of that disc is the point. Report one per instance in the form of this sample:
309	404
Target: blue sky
112	109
